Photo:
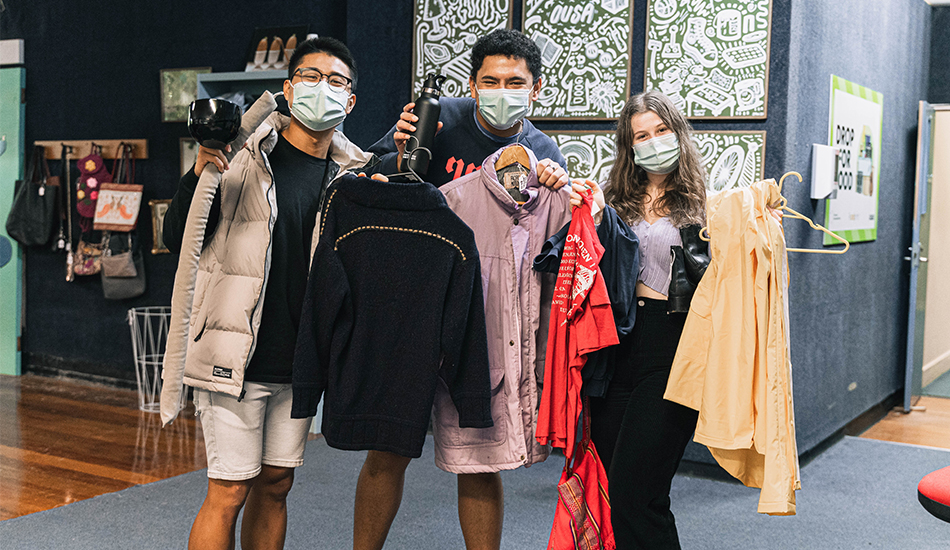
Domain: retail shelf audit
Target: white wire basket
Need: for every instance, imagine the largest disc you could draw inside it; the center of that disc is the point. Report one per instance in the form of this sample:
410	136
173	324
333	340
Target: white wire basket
149	326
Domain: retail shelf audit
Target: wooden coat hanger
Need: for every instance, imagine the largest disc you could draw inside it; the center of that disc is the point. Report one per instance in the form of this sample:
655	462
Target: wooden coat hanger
516	154
511	155
782	205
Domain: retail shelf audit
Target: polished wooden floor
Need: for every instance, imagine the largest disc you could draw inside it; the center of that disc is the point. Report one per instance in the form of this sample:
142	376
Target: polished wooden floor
929	427
63	441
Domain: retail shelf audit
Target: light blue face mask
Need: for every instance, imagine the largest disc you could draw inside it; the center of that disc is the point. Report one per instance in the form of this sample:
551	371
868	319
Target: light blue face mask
659	155
319	107
503	108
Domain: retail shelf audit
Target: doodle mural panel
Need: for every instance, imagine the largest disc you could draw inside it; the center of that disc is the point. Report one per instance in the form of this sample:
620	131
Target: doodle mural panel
589	154
733	159
444	32
710	56
585	55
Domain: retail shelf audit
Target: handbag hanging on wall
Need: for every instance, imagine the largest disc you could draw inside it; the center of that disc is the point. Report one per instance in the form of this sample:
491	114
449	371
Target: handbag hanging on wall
92	174
67	194
117	260
59	223
31	217
123	268
87	259
118	202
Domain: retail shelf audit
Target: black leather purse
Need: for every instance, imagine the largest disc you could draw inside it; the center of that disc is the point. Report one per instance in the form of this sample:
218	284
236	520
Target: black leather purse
123	268
689	263
32	216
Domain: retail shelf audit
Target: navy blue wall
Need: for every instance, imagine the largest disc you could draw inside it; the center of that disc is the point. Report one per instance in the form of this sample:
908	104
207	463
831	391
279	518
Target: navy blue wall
940	56
848	313
92	72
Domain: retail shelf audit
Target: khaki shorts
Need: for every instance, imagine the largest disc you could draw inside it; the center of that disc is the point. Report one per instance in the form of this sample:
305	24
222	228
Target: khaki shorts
240	436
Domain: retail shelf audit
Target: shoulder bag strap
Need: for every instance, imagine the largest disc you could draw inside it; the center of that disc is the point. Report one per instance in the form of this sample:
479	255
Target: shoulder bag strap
118	163
129	162
67	191
44	164
132	163
33	165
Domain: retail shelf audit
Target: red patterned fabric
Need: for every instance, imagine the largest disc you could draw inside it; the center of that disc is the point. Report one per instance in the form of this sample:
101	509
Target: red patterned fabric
582	519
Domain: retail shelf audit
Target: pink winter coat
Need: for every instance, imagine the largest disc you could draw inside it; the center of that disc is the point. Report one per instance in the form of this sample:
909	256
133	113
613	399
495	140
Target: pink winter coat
517	311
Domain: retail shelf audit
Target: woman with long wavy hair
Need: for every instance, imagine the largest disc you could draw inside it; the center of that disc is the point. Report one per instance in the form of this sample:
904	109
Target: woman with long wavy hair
657	187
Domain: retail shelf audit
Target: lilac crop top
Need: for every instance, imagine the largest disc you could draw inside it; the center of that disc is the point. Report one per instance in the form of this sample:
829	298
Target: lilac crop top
655	259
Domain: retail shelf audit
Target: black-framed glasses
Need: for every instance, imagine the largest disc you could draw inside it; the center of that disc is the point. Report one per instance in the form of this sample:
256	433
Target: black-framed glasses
311	77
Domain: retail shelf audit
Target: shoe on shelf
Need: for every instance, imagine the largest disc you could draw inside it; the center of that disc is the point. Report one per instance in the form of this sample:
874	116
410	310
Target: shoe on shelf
274	54
260	56
289	48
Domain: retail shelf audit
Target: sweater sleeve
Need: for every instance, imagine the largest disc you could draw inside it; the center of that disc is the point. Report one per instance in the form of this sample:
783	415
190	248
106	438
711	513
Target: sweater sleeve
386	150
173	225
322	320
549	259
465	346
621	258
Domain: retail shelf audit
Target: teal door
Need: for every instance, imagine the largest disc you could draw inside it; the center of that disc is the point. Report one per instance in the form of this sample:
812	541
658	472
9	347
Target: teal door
920	237
12	125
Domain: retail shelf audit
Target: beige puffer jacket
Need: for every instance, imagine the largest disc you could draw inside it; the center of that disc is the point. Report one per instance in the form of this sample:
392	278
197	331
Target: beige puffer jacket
234	264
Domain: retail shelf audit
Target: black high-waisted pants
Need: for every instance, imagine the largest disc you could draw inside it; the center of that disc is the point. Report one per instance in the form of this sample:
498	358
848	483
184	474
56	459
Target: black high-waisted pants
640	436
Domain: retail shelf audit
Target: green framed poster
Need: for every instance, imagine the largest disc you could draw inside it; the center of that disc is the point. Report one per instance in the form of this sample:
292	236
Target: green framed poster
711	57
589	154
179	90
585	55
443	33
854	129
733	159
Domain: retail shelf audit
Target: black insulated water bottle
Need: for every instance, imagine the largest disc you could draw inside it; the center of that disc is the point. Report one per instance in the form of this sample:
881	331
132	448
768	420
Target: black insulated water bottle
419	146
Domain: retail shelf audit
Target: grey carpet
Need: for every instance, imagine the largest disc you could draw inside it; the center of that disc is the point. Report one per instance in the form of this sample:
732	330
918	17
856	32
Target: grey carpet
858	494
939	387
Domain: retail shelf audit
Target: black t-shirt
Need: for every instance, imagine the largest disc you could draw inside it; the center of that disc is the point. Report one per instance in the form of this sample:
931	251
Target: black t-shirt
463	144
300	181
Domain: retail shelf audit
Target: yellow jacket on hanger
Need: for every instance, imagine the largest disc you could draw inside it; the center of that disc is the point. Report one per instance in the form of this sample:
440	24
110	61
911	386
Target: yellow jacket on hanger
732	364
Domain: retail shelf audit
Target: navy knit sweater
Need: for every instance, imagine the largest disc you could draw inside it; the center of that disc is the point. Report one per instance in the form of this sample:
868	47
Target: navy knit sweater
393	307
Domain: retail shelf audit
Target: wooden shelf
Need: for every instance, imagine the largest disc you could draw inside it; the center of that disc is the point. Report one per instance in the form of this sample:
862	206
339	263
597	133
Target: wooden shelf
81	148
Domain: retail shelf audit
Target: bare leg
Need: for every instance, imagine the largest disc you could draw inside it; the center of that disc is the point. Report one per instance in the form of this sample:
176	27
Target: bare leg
378	495
481	510
265	517
213	528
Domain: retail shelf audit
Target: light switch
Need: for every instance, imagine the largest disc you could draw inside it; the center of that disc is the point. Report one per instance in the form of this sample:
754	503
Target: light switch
824	162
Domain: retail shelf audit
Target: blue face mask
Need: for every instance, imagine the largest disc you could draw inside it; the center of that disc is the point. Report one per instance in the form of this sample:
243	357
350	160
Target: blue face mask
659	155
319	107
503	108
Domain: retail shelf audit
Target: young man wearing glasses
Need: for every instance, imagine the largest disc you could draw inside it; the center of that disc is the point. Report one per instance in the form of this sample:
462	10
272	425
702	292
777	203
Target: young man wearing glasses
270	198
505	80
